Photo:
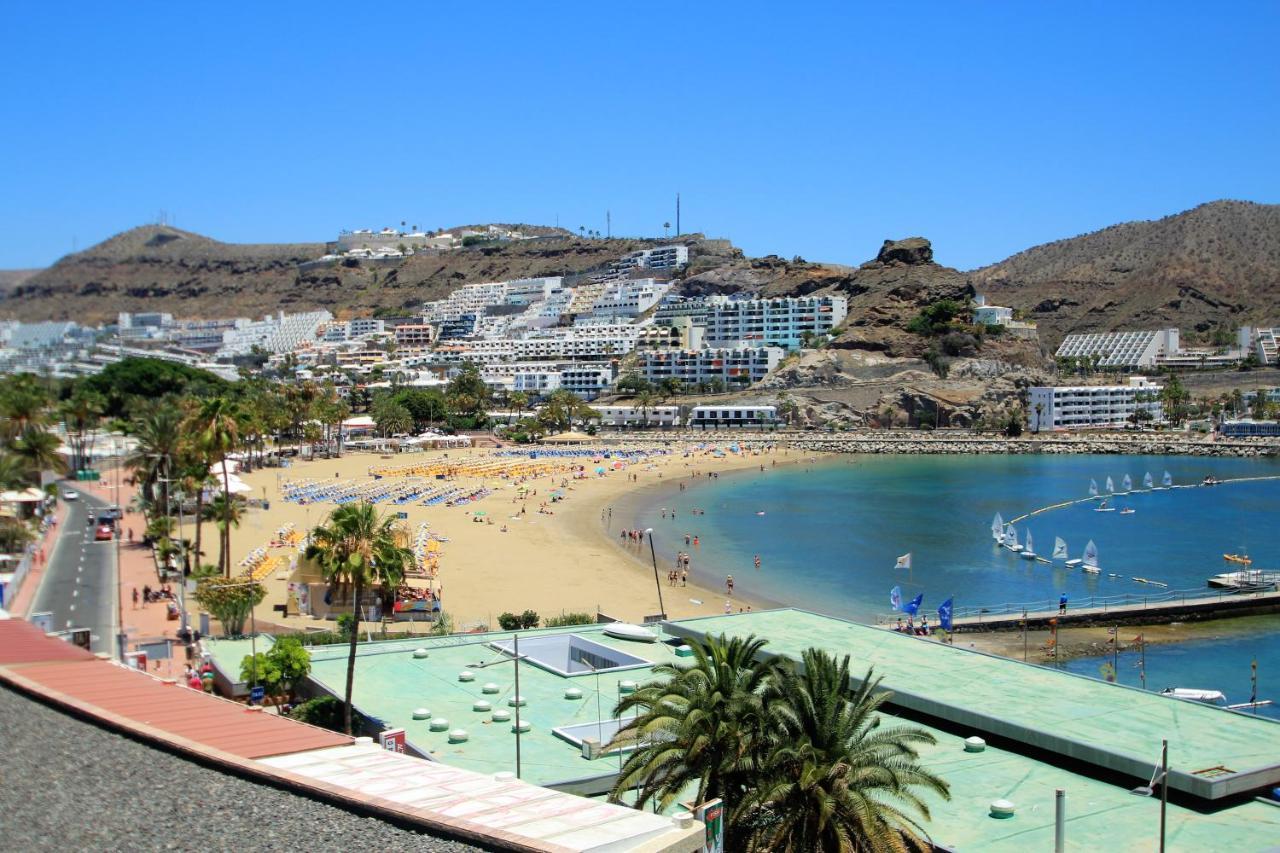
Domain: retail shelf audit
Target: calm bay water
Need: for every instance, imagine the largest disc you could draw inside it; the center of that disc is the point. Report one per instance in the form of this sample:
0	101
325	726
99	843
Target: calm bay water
1216	664
831	531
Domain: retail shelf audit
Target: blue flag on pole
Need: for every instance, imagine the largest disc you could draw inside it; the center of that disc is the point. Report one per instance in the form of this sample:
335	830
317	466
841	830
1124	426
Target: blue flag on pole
944	615
913	606
895	597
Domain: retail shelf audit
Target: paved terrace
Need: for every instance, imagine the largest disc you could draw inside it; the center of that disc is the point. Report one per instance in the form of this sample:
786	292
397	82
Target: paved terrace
1214	753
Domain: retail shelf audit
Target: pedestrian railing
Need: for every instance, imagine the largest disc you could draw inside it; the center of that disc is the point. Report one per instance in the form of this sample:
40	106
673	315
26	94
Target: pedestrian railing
1125	601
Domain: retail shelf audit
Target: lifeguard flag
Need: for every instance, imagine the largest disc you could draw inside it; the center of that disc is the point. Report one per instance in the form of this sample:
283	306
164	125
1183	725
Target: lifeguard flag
944	615
904	562
895	597
913	606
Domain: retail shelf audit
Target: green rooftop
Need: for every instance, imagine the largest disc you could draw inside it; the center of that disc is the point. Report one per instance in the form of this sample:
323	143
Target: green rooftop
391	683
1213	752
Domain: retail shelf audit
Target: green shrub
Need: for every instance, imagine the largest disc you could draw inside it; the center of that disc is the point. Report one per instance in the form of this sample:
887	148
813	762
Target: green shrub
566	619
326	712
509	622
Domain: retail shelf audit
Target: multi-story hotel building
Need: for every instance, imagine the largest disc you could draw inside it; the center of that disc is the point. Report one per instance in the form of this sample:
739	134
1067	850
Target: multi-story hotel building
781	322
733	366
1121	349
1068	407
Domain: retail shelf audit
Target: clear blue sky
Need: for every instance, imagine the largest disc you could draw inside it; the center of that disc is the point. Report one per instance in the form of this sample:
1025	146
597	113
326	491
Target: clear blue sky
817	131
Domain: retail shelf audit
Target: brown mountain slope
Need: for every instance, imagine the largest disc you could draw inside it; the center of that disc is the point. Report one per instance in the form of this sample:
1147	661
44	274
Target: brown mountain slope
158	268
1217	265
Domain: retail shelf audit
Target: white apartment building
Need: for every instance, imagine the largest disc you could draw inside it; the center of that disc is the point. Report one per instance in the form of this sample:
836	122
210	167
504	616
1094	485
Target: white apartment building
1121	349
345	330
468	299
588	381
733	366
525	291
415	335
281	333
1069	407
669	257
633	416
629	298
1267	345
779	322
733	417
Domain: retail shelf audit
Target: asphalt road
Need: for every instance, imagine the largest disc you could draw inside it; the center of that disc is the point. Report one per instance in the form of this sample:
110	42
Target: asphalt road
79	585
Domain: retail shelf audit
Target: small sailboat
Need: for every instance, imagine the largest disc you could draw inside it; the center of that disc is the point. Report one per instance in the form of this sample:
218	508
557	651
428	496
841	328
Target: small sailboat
1103	507
1028	550
1127	483
997	529
1059	548
1093	488
1111	486
1148	482
1090	564
1011	538
1167	481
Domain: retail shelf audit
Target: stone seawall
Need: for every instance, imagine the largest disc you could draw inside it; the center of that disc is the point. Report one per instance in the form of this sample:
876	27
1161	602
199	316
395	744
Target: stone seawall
952	443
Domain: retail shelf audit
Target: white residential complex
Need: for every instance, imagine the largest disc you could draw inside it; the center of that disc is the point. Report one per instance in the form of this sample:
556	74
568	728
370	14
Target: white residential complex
658	258
1120	349
278	334
732	366
1072	407
786	321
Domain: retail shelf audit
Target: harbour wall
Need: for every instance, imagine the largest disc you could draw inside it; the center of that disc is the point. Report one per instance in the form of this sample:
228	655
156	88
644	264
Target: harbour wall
918	443
1155	612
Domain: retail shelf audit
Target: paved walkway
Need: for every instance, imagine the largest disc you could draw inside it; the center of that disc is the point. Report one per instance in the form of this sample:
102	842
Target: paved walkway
31	583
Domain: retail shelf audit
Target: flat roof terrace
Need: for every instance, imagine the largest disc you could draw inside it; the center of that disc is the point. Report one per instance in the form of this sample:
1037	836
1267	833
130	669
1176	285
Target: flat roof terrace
390	684
1214	753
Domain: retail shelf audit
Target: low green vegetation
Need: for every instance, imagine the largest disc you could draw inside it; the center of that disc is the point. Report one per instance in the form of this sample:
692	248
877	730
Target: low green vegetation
517	622
565	620
801	762
279	670
229	600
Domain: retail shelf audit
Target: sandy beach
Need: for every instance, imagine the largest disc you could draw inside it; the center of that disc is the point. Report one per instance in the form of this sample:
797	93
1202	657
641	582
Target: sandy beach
566	559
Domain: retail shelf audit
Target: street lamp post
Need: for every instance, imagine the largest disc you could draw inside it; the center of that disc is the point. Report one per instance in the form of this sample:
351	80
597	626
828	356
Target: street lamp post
662	610
515	659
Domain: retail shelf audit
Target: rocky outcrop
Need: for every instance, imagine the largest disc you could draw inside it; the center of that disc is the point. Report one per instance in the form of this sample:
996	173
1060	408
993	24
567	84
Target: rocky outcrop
912	251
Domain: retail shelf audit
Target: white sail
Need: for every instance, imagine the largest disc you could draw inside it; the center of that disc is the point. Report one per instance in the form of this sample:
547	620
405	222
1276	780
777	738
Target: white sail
1028	546
1111	487
1148	481
1059	548
1011	536
1168	479
1093	488
1127	483
997	528
1091	554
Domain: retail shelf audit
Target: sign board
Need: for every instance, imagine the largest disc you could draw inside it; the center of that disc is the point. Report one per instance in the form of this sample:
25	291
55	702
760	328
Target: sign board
157	650
392	740
43	621
402	515
137	660
711	813
257	694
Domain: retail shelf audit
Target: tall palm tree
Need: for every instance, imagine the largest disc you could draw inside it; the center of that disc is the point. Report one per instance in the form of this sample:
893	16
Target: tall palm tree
38	448
13	471
158	433
831	777
224	516
359	551
697	725
217	430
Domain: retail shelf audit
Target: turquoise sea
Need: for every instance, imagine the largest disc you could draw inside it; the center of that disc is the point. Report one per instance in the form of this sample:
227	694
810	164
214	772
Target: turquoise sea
830	531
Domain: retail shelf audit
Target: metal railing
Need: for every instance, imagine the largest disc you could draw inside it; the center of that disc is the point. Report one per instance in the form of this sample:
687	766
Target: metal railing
1125	601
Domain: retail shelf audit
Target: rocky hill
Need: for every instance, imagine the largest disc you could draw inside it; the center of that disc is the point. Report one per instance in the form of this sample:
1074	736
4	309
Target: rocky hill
159	268
1214	267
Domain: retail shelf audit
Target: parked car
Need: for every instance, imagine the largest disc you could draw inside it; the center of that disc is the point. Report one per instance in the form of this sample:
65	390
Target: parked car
70	495
104	533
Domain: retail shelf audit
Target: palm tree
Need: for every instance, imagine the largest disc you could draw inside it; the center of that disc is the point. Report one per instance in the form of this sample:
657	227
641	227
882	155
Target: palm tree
644	401
223	516
518	400
193	473
697	725
832	778
158	434
217	431
13	471
359	551
38	448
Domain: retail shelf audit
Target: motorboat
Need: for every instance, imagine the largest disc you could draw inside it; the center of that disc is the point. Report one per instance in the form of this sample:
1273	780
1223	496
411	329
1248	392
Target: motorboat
1215	698
627	631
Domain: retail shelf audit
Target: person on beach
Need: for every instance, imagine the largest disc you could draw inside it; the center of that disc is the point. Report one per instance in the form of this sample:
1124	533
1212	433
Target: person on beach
695	541
1062	603
757	561
686	539
684	576
728	584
